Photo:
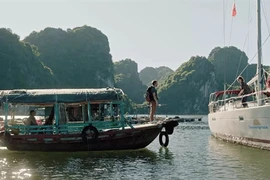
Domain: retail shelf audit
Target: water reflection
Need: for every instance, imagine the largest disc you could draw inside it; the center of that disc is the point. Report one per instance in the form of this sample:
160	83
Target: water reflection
237	161
73	165
165	153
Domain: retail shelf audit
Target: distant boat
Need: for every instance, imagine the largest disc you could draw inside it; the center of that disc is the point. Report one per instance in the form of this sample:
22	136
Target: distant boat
75	120
250	125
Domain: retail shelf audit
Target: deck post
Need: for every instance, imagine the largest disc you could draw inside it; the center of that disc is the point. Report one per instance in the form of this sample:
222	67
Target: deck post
111	109
83	112
122	115
56	115
6	114
89	112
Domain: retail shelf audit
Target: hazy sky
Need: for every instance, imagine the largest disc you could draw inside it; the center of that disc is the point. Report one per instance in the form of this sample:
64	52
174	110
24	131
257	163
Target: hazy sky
151	32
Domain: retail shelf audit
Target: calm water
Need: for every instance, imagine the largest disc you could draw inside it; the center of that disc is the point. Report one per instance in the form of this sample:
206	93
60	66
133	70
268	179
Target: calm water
192	154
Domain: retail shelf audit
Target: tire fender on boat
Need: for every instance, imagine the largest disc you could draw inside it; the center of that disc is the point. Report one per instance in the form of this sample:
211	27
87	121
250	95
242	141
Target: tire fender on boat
90	128
164	133
169	127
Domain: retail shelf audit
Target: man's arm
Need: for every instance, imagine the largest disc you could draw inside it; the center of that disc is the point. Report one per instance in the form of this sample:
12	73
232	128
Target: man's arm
27	122
34	121
241	92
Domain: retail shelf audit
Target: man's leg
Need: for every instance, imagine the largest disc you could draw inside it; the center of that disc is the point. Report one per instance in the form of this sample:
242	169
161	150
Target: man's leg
152	110
244	100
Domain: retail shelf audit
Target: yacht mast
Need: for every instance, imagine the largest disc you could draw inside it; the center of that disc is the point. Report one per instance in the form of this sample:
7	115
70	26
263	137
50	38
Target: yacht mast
259	45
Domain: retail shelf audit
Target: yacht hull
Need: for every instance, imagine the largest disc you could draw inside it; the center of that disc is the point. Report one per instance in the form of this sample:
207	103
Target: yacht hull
246	126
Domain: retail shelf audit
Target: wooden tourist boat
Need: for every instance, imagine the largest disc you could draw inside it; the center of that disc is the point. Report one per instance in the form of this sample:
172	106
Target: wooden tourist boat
74	120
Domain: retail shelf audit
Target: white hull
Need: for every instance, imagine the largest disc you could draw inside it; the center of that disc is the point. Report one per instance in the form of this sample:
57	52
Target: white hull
230	121
247	126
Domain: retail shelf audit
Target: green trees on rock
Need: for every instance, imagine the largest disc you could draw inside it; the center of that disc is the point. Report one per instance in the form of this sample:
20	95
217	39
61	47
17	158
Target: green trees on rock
79	58
127	78
149	73
188	88
20	66
228	63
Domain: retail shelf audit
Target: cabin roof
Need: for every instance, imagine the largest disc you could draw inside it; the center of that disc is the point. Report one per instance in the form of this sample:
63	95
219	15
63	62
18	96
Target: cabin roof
60	95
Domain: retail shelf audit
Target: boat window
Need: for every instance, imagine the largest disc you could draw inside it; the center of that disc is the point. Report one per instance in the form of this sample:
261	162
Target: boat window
18	113
74	113
104	111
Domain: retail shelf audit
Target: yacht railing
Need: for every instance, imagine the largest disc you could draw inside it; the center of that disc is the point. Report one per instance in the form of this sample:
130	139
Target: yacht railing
234	103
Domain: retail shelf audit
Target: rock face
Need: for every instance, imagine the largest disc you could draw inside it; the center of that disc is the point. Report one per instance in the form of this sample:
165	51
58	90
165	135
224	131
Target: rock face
127	78
149	73
79	58
20	66
187	90
228	62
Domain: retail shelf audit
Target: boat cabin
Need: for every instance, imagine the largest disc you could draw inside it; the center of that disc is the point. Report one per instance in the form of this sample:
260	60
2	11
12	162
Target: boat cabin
61	110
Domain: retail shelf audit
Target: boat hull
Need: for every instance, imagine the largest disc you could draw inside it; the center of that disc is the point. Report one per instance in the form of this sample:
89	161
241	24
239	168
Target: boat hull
136	138
246	126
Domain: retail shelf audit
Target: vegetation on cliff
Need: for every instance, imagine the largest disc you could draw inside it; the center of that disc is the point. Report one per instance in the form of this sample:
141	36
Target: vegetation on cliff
20	64
127	78
79	57
188	88
149	73
228	62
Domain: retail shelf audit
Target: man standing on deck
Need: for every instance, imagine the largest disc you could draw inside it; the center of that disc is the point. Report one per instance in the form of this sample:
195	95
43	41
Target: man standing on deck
244	90
153	99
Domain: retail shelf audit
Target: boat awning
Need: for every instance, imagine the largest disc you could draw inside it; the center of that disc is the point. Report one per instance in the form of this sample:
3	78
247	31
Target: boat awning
60	95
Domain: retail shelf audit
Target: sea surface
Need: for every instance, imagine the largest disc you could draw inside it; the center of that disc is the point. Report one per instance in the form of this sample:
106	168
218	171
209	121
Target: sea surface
192	153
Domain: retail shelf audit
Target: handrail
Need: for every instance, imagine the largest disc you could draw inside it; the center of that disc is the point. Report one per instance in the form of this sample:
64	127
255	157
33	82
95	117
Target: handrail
222	104
63	128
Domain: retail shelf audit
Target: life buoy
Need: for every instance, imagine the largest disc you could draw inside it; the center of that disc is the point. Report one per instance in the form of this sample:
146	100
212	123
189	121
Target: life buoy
163	133
90	128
